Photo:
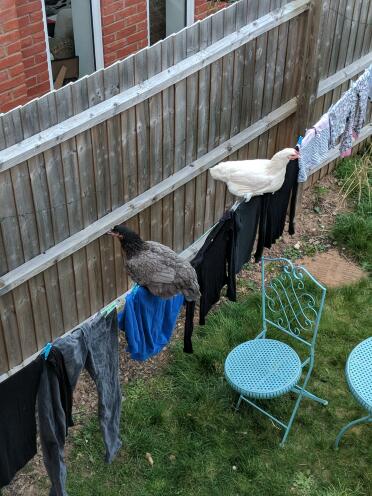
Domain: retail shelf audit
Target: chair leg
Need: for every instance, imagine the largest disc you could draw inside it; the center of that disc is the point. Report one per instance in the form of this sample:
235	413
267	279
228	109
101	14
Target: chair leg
238	403
363	420
300	390
289	425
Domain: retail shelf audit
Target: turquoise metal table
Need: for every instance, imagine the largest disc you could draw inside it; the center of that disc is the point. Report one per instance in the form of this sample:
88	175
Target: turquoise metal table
359	378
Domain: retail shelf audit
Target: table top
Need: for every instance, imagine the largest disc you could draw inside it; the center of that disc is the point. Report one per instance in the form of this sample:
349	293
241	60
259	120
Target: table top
359	373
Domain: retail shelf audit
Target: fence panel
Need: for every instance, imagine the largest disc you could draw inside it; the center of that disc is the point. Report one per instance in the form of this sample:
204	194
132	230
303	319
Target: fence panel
225	87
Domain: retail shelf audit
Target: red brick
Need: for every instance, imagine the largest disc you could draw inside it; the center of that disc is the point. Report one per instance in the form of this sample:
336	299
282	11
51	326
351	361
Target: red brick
133	19
124	52
113	28
11	83
9	37
6	4
142	26
34	69
31	50
13	48
40	57
36	16
28	7
124	33
8	14
39	90
112	7
10	25
28	41
137	36
8	62
109	38
129	11
36	30
20	91
4	76
43	76
16	69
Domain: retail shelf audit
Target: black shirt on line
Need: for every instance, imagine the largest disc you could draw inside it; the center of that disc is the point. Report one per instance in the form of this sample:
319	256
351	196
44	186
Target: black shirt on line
215	267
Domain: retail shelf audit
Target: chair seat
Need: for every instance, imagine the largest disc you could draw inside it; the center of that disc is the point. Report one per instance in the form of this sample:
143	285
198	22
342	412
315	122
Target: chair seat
359	373
263	368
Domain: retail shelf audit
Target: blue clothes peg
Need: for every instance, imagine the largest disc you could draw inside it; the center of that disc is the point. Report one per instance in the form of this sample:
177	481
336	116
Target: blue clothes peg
299	141
46	350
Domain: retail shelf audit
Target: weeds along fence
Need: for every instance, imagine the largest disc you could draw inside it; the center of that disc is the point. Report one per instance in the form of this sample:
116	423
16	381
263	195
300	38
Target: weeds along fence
133	143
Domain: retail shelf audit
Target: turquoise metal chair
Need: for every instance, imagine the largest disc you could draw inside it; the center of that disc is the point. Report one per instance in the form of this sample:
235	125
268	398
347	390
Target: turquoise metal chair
265	368
358	373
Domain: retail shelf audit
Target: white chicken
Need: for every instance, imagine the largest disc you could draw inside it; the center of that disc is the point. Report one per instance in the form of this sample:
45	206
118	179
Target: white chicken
249	178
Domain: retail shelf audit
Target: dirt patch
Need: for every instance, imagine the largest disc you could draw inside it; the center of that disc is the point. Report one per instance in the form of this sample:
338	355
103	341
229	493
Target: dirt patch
332	269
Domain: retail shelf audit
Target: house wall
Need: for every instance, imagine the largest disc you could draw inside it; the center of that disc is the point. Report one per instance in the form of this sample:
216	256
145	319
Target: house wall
124	28
204	8
23	56
23	60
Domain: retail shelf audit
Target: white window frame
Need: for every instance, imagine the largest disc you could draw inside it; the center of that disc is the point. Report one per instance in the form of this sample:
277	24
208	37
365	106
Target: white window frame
47	46
190	12
190	16
95	6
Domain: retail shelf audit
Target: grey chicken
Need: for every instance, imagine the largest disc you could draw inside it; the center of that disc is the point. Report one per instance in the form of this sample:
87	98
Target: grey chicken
156	266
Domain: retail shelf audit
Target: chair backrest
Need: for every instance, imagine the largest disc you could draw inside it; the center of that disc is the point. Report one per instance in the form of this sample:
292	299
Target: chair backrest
292	300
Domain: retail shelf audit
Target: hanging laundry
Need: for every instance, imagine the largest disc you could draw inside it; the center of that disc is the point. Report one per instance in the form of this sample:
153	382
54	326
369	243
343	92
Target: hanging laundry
347	116
17	420
148	321
246	222
215	268
93	346
314	147
274	211
249	178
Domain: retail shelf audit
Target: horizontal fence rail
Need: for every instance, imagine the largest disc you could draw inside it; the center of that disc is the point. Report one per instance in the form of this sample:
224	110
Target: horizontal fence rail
69	246
109	108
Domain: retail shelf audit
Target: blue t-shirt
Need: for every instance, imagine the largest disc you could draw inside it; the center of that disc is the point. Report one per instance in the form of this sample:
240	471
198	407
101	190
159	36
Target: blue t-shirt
148	321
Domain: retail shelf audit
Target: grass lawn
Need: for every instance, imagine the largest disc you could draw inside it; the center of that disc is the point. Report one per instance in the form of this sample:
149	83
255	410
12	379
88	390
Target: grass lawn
184	417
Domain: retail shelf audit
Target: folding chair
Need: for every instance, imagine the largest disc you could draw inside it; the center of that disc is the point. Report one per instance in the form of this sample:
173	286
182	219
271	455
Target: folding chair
263	368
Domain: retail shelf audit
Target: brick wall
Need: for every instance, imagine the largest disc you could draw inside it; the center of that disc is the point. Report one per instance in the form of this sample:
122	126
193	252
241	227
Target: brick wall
204	8
23	61
124	28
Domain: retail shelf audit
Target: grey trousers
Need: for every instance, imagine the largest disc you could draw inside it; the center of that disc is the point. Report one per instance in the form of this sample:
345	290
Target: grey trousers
93	346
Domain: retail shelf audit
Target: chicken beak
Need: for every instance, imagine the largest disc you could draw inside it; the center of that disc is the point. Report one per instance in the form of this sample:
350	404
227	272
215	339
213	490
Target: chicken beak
113	234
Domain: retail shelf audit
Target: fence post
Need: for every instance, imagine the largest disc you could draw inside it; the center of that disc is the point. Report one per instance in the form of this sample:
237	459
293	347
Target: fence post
310	75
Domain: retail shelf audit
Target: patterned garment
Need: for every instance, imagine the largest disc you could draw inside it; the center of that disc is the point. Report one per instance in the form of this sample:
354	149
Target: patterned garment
348	114
314	148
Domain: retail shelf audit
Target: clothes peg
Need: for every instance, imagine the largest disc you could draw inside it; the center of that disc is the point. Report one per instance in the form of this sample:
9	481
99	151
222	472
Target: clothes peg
299	141
46	350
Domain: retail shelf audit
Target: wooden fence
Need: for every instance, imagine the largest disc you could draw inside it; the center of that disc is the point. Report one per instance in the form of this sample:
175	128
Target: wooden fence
134	142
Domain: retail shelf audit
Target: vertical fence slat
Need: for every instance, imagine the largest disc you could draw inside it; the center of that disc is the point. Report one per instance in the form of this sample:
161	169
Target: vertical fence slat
61	276
155	142
192	97
214	120
205	39
229	26
248	79
10	232
101	162
64	103
93	290
167	142
25	217
4	363
112	88
43	237
179	48
142	129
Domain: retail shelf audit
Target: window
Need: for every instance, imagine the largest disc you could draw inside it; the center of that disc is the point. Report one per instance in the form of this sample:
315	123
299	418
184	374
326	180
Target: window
71	39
